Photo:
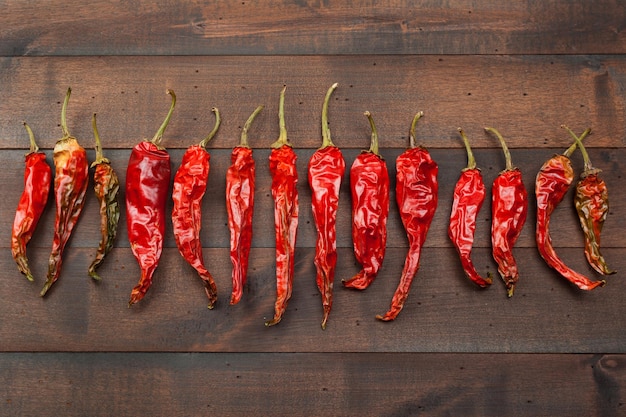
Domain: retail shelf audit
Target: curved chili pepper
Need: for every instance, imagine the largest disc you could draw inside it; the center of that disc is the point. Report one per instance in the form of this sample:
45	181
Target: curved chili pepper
240	183
70	186
284	181
469	195
326	169
417	196
147	185
106	188
37	180
592	204
369	186
509	208
190	182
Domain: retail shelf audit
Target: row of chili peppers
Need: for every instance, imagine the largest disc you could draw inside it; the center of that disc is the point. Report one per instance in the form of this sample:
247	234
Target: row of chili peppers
147	189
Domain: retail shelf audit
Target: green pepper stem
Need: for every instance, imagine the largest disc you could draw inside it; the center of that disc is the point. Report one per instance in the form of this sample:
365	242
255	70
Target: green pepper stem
374	140
244	132
66	132
159	134
579	143
471	161
505	149
326	140
96	135
212	133
33	145
418	116
282	138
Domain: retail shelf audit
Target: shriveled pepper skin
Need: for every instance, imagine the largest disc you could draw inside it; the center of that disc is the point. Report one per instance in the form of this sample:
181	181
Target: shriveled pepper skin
147	188
551	185
417	196
190	184
592	204
37	180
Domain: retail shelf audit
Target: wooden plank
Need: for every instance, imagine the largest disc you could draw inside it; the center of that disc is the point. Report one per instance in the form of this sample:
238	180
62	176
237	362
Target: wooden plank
526	97
283	27
444	312
347	384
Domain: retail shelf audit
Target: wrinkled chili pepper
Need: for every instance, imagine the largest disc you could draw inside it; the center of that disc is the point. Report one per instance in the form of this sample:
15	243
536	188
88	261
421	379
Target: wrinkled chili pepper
70	186
240	184
325	171
284	181
190	182
509	208
369	187
37	180
147	186
106	187
469	195
592	204
551	185
417	196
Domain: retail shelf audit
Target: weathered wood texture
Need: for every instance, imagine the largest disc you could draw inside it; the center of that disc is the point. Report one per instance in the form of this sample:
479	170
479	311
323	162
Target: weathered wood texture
524	67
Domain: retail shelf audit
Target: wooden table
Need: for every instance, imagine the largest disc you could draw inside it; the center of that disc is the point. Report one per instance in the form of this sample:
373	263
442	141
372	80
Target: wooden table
523	67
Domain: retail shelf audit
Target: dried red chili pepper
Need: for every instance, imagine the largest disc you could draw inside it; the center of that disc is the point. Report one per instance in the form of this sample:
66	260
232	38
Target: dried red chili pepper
417	196
147	185
369	186
284	181
592	204
469	195
509	208
190	182
70	185
106	187
325	171
240	184
37	180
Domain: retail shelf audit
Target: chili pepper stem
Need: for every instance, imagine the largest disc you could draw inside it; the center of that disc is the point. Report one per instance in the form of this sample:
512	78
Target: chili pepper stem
156	140
33	145
578	143
505	149
374	141
326	140
98	147
212	133
418	116
244	132
66	132
471	161
572	148
282	138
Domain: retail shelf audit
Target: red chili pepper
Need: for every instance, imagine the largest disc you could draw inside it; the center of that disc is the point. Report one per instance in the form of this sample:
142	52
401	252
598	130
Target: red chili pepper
369	185
106	187
416	195
326	169
592	204
469	195
509	208
70	185
285	194
147	185
190	182
37	179
240	183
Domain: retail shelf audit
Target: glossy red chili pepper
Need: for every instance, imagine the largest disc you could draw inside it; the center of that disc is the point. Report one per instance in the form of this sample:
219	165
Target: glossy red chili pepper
417	196
70	186
592	204
190	182
469	195
284	181
509	208
325	171
106	187
37	180
369	186
240	184
147	186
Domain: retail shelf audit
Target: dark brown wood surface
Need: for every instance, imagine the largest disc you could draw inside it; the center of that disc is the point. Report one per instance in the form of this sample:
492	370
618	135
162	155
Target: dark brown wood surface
524	67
